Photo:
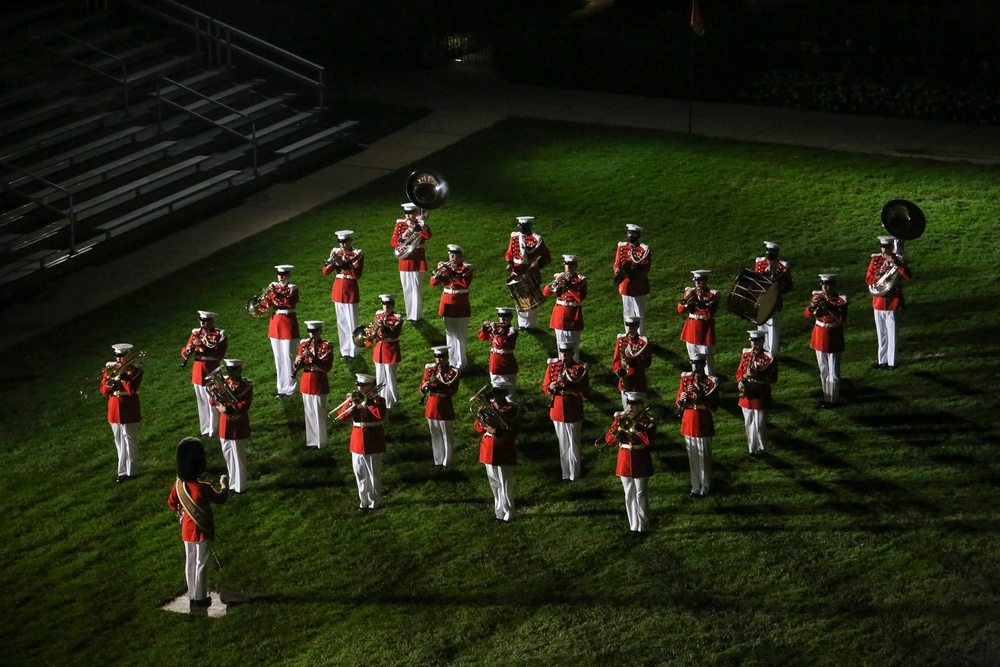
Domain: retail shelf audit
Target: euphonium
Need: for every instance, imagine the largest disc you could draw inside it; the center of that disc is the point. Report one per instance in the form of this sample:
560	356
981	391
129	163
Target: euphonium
218	390
483	409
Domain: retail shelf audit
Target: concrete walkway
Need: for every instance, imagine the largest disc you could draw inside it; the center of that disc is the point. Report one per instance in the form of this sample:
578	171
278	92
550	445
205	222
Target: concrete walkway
464	100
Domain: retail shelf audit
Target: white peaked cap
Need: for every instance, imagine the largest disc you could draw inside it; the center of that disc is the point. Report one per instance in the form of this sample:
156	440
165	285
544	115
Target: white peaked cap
757	334
122	348
525	219
314	324
700	273
362	378
570	259
455	248
828	277
387	298
344	234
233	363
409	206
207	315
635	397
504	310
440	350
284	268
772	245
633	228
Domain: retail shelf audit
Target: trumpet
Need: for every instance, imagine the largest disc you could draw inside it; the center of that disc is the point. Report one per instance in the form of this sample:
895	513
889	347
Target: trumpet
819	306
336	261
691	295
258	304
357	397
488	415
559	283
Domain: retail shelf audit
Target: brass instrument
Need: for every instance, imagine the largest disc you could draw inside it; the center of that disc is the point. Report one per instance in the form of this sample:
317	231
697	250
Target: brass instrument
426	189
258	306
357	397
560	282
408	243
820	306
115	375
488	415
749	378
691	295
889	277
444	272
218	390
629	424
905	221
337	262
364	334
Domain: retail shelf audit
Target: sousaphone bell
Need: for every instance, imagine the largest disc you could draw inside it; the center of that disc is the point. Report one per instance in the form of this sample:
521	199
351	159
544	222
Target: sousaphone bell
426	189
905	221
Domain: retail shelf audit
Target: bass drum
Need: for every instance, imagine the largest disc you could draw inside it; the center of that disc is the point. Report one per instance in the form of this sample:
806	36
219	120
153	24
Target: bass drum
525	291
753	297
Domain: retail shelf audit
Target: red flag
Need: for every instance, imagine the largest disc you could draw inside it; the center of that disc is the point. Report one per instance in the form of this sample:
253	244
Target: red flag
697	24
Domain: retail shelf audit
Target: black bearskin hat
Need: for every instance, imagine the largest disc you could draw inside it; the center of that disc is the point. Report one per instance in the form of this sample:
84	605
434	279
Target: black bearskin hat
190	459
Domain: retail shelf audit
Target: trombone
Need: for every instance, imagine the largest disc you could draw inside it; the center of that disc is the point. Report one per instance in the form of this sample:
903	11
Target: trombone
115	375
357	397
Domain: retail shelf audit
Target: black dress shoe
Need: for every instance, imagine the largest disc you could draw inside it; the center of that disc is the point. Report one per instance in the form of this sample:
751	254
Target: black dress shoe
890	368
878	367
121	478
204	602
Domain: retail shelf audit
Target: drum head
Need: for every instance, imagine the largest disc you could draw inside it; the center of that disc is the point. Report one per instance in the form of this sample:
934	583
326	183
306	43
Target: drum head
753	297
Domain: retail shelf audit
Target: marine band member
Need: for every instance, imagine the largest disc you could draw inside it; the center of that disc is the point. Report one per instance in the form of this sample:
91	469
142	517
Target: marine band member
314	359
120	384
829	310
631	358
502	337
567	383
207	345
412	267
778	271
438	386
283	328
755	374
632	431
498	451
888	304
700	304
570	289
367	410
698	399
347	263
632	274
232	396
455	276
527	255
387	328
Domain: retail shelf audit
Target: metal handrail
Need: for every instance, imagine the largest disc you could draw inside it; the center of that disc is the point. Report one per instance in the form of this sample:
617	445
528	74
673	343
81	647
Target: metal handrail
159	115
219	46
121	63
42	202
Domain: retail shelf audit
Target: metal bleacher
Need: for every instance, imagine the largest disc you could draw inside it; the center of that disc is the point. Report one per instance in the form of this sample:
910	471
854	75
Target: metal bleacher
117	126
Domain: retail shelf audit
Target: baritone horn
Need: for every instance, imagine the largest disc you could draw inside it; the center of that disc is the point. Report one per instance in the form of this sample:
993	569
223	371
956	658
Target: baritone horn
487	413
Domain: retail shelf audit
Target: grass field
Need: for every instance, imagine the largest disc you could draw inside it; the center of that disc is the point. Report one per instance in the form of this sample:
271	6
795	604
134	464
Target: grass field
869	536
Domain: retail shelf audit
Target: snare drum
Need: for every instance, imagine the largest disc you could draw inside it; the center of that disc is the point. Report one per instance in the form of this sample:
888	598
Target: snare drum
526	291
753	297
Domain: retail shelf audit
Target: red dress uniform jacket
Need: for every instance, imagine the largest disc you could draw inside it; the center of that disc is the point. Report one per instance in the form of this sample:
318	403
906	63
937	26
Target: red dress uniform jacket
701	401
284	324
208	348
699	328
455	298
368	434
502	341
572	384
634	459
234	423
634	355
635	260
499	449
440	386
828	331
123	395
893	300
779	273
203	495
385	348
345	284
528	253
757	371
567	315
416	261
315	360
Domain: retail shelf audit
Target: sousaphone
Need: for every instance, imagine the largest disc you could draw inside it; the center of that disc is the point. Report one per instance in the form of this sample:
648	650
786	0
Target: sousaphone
905	221
426	190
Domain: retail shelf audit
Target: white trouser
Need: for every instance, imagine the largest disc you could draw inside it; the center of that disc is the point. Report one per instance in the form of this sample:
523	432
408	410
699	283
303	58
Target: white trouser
571	337
441	440
512	379
234	451
347	322
885	327
127	444
635	306
195	562
367	468
707	351
282	349
503	505
315	411
208	416
413	296
456	330
528	319
386	373
568	434
753	422
773	329
700	460
829	375
636	504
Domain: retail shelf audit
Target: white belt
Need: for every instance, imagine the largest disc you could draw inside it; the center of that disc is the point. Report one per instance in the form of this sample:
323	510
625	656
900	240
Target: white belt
345	276
448	290
626	445
285	311
571	304
831	325
693	316
367	424
494	350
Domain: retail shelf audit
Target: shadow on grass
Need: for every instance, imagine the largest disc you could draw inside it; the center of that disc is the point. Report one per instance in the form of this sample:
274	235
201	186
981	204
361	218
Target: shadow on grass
922	429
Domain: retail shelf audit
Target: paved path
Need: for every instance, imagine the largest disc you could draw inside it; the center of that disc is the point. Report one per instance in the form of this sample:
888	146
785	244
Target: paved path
464	100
